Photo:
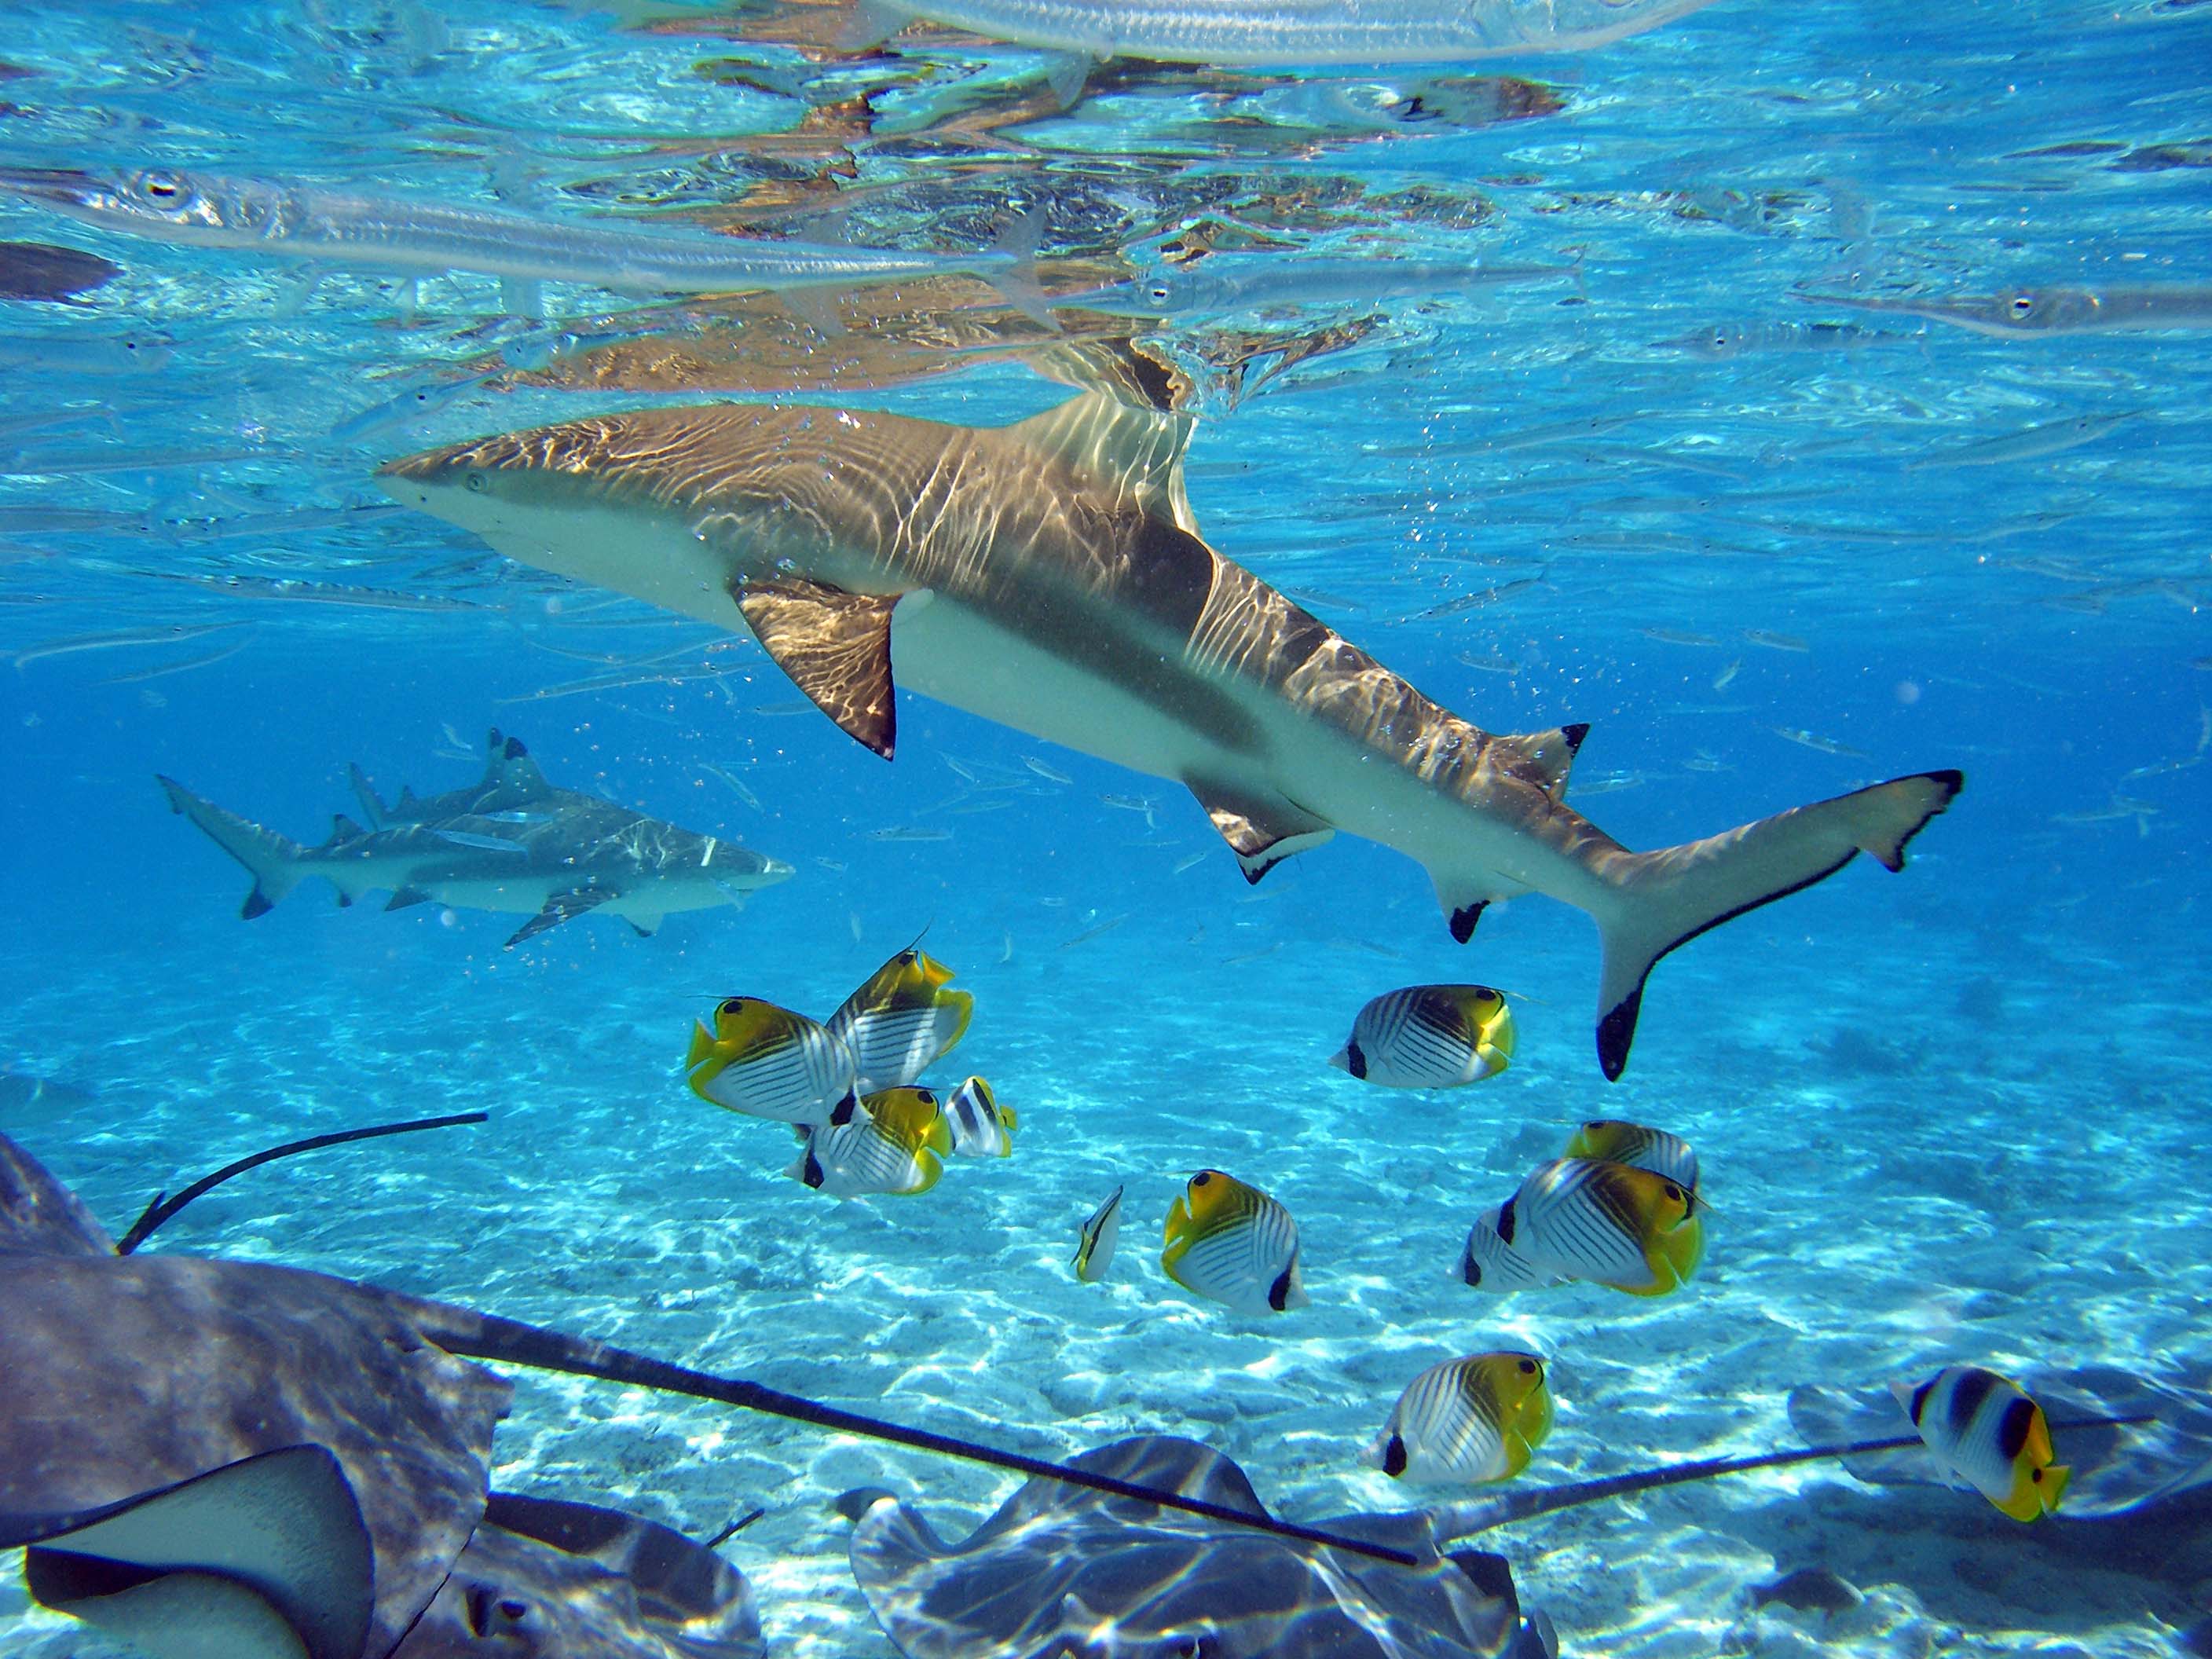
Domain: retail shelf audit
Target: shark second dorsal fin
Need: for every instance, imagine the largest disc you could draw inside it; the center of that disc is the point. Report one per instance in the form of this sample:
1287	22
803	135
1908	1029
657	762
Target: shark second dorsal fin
836	645
508	767
1136	452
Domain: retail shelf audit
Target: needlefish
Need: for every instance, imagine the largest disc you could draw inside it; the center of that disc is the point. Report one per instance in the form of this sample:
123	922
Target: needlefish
1235	282
417	236
1250	32
2053	311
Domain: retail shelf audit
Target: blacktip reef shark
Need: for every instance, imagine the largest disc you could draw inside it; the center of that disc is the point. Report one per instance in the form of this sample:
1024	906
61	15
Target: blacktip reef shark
512	843
1050	575
418	236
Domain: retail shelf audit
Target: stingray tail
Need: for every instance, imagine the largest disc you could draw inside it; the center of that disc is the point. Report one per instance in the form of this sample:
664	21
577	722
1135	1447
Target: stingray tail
273	858
1666	899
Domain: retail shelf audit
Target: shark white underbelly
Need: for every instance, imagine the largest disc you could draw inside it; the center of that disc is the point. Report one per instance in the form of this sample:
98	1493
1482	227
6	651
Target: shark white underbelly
1048	576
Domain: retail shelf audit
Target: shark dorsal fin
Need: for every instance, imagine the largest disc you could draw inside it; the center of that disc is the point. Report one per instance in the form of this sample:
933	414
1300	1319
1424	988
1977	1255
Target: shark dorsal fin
1138	452
344	828
508	767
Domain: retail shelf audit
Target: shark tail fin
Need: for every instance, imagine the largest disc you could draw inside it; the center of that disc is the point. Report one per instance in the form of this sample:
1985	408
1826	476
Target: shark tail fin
1017	280
273	859
1668	897
365	792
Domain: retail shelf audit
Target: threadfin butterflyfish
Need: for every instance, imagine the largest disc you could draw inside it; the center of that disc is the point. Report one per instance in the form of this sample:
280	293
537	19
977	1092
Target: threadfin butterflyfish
1094	1250
981	1126
1489	1263
900	1020
1233	1244
1986	1429
1467	1421
1607	1224
770	1062
895	1144
1639	1146
1429	1036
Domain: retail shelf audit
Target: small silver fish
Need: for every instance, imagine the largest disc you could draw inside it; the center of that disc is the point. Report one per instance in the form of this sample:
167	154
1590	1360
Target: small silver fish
481	844
1806	739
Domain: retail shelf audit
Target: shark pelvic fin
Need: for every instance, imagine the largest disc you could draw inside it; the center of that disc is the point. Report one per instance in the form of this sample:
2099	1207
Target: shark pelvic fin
260	1559
1262	830
836	645
404	896
558	908
1117	446
1664	899
1463	904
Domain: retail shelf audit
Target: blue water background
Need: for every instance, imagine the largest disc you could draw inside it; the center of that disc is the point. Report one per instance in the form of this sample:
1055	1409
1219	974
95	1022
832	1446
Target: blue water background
1949	1115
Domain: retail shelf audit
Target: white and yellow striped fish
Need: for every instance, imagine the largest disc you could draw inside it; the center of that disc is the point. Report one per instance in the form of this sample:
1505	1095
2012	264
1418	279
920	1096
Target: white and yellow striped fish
1429	1036
1607	1224
1233	1244
770	1062
1635	1145
1094	1250
900	1021
1987	1429
981	1126
1467	1421
1489	1263
895	1144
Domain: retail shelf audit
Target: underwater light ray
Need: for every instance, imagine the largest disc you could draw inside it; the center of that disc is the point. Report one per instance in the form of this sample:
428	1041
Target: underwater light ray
163	1207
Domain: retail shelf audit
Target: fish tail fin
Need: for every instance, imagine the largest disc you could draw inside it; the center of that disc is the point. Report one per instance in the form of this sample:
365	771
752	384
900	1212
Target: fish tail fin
273	859
365	792
702	1046
1015	280
1668	897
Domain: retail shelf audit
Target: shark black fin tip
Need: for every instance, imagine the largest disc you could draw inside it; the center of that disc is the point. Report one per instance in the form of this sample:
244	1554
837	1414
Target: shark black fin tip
1615	1032
257	904
1464	919
1574	734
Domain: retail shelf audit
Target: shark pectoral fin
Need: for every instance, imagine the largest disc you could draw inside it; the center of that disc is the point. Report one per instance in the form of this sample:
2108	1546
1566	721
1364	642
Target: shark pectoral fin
836	645
1665	898
404	896
264	1558
1262	830
645	923
559	908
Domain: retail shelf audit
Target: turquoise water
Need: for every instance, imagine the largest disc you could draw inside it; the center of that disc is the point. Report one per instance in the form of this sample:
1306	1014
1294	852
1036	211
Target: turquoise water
1947	1116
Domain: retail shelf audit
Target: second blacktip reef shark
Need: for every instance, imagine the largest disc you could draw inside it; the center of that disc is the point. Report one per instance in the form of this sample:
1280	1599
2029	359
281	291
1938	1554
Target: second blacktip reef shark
1050	575
511	843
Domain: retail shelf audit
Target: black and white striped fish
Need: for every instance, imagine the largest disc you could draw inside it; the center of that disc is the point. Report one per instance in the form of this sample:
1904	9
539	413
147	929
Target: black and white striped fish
770	1062
1429	1036
1605	1223
1468	1421
900	1021
1489	1263
1634	1144
1233	1244
1987	1429
895	1144
1094	1250
981	1126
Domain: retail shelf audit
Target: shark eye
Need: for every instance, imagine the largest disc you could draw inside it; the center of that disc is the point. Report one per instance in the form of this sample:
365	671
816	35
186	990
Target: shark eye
476	482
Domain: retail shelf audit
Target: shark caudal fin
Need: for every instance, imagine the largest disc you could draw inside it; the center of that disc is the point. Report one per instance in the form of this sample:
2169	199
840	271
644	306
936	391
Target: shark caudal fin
1666	899
273	858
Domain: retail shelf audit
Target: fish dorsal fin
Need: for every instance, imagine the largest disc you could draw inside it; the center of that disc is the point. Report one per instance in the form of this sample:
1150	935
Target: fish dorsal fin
1134	452
1550	755
836	645
344	828
508	768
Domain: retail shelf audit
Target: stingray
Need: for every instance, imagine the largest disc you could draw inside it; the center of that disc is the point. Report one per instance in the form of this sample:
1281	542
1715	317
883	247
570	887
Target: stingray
243	1460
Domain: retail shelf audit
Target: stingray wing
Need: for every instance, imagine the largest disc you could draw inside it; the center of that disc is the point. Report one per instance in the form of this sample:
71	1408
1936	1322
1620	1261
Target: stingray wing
1060	1570
263	1559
